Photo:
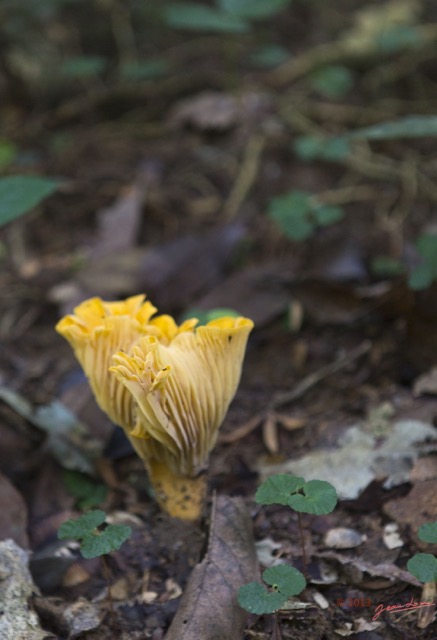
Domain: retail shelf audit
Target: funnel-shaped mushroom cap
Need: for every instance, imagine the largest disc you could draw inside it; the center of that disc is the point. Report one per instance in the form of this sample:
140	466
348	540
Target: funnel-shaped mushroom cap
168	386
98	329
183	390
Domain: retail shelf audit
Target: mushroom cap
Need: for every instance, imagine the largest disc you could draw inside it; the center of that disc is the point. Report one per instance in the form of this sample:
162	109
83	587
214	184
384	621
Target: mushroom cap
183	390
169	386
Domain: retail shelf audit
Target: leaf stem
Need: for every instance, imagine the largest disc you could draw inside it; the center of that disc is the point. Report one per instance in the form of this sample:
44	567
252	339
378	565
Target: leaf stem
302	542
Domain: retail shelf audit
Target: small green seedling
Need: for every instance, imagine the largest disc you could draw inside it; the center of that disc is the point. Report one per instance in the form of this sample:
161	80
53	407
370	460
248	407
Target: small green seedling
423	566
86	490
316	497
204	316
285	581
94	540
298	214
426	272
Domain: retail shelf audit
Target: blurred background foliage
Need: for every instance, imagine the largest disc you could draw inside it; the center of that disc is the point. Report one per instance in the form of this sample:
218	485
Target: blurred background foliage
354	87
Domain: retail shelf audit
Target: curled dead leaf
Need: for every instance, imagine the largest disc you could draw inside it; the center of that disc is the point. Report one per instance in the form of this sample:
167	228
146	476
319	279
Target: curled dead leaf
209	608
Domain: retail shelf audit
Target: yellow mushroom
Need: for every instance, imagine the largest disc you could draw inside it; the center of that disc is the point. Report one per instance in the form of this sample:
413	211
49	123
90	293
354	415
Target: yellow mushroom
168	386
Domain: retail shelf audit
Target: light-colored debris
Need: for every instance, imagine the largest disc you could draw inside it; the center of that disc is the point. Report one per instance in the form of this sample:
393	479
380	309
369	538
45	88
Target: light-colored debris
391	537
265	551
361	457
17	620
320	600
82	616
343	538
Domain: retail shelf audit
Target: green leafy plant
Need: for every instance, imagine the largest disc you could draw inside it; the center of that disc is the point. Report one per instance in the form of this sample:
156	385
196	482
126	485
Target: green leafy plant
426	272
398	37
145	69
228	16
269	55
386	267
298	214
20	194
423	275
423	126
315	497
284	581
8	153
212	314
95	540
317	148
424	565
332	81
83	67
87	492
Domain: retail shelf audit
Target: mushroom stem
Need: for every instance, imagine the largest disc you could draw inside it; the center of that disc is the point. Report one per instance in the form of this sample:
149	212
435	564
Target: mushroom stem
180	496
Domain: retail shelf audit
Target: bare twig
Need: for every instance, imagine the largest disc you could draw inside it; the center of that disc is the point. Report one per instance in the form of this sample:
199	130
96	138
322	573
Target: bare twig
246	176
316	377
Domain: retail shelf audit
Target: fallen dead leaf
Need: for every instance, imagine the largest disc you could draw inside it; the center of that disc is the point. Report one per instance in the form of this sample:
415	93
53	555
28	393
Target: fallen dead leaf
13	523
251	293
209	608
415	509
67	437
383	570
361	457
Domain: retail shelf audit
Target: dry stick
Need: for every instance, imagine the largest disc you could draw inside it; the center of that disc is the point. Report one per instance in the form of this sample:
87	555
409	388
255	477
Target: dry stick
304	385
335	53
314	378
246	177
362	160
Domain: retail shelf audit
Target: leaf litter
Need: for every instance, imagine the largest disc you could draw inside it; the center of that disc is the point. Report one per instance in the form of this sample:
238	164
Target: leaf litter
362	456
213	165
208	607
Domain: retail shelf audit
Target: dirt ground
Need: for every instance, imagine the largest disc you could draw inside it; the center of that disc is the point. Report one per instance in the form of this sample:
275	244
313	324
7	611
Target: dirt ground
166	188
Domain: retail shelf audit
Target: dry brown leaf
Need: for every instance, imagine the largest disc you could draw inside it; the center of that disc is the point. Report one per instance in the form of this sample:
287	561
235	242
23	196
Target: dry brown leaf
415	509
175	273
209	609
383	570
13	523
253	292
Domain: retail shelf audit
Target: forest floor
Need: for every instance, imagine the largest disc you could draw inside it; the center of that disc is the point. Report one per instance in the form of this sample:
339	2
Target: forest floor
166	188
